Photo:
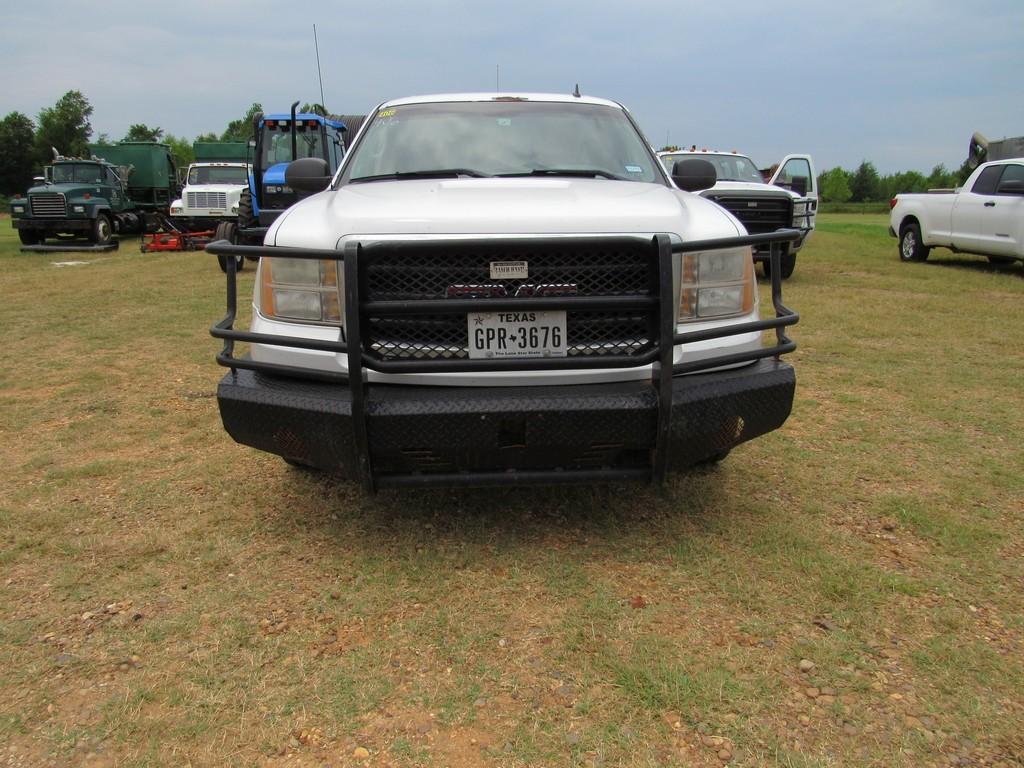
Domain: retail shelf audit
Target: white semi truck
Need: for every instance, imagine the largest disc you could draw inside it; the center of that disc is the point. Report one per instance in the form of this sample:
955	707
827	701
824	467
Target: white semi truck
503	289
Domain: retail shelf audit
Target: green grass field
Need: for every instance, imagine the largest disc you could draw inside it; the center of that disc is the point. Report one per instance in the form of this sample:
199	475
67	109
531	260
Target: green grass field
846	591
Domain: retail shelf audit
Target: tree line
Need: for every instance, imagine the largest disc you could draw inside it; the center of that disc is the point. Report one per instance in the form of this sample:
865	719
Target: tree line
865	185
27	145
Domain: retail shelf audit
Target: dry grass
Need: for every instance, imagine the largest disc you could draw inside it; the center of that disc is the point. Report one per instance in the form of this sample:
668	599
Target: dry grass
170	598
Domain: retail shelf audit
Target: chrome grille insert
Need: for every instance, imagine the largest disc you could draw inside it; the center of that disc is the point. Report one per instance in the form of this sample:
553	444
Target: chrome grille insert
48	204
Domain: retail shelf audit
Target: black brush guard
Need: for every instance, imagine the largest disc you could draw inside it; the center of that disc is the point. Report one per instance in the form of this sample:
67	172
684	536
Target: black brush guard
338	414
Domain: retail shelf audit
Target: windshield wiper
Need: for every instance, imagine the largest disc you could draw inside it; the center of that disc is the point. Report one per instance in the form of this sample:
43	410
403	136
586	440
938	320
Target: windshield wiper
587	173
437	173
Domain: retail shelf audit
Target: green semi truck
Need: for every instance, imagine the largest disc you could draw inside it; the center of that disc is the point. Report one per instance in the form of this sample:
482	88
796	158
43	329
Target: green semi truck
114	190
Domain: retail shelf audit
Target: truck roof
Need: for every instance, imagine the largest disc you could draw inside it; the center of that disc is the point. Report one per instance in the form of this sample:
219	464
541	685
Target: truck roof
567	98
306	116
732	153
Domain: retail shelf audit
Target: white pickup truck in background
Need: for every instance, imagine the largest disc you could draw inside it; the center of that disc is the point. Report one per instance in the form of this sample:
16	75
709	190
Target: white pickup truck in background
984	216
784	199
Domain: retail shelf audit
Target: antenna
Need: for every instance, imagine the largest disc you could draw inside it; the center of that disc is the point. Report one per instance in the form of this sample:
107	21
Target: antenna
577	93
316	46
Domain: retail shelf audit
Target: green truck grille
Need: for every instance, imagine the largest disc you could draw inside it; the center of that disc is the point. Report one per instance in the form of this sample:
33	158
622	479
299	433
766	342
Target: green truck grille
48	204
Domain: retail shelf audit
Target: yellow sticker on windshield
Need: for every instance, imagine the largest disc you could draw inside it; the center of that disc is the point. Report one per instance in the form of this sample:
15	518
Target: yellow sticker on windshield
386	113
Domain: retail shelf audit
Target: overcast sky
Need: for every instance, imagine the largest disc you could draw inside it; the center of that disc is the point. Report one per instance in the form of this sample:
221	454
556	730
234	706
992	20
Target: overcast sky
903	84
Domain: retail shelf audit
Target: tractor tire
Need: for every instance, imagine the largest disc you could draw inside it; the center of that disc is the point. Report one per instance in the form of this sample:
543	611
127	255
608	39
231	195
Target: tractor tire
787	263
29	237
246	218
911	247
226	231
101	231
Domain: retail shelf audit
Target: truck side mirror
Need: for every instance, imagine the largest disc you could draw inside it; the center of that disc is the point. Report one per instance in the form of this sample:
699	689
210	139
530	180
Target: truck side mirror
799	185
694	174
1011	187
308	174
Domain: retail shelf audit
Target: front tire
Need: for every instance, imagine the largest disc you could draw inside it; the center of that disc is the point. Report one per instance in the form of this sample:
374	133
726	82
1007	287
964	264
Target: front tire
911	246
787	263
29	237
101	231
227	231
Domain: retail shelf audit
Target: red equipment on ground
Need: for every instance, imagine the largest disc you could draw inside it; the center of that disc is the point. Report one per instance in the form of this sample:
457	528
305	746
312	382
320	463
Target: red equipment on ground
172	237
176	241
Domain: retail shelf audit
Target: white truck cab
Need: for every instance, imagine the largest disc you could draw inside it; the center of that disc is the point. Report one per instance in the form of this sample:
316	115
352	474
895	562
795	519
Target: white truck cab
503	289
210	195
786	196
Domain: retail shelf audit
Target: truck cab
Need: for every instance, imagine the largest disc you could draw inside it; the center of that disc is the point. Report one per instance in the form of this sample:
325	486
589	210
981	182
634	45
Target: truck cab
211	194
79	198
785	197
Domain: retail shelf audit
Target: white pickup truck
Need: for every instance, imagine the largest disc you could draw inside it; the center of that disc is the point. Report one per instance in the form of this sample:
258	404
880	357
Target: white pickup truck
503	289
984	216
788	197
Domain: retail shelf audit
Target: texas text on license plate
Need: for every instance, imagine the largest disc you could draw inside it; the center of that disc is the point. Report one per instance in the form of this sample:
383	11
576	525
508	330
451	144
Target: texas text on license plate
516	334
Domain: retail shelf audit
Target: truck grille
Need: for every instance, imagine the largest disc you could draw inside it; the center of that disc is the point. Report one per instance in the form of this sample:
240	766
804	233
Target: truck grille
48	204
758	214
207	199
590	268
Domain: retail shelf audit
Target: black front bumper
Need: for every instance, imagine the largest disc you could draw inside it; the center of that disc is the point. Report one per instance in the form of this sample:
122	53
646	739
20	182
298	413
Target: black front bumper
421	435
53	225
401	435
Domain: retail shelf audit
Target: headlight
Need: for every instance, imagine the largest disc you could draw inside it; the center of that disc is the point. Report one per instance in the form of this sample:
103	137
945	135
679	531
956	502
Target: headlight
234	209
272	189
19	209
301	289
78	209
800	211
717	284
176	209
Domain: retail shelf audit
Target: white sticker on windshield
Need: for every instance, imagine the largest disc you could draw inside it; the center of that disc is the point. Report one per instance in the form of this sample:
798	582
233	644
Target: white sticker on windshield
504	122
634	169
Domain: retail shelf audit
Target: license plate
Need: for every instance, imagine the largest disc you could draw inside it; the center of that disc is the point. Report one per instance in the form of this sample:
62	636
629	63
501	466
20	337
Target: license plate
516	334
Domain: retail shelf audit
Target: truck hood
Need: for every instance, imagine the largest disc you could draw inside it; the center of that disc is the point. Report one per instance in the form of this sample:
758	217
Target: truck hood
275	174
70	191
498	206
748	188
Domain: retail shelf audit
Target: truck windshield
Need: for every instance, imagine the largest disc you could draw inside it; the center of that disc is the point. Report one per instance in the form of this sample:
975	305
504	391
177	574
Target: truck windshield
199	174
502	138
277	143
727	167
82	173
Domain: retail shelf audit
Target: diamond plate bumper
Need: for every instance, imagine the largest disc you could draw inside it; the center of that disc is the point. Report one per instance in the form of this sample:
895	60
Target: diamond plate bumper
528	435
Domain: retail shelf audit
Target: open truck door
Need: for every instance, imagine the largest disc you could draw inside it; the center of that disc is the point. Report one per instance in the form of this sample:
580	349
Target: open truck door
796	173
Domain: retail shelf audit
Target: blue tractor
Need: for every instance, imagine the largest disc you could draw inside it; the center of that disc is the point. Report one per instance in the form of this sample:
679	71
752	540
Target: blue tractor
279	139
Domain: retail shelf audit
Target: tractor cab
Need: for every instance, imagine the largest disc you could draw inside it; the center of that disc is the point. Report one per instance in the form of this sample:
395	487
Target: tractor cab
280	139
